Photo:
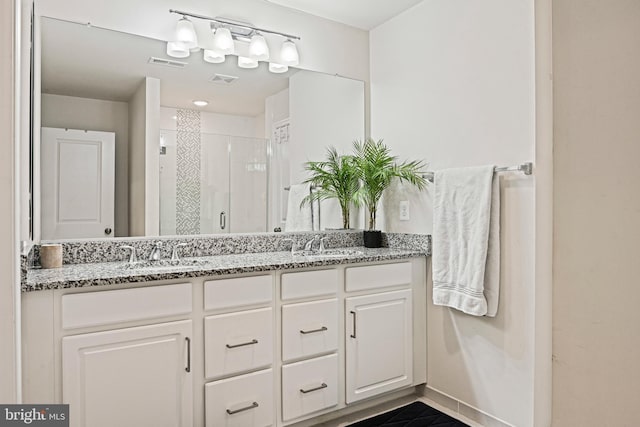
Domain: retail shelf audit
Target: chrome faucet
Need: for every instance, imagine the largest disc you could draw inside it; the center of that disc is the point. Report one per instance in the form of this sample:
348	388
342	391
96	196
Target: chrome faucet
156	252
311	243
316	244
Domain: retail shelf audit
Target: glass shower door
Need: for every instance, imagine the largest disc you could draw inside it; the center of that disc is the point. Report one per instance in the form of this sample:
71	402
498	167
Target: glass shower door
248	177
214	185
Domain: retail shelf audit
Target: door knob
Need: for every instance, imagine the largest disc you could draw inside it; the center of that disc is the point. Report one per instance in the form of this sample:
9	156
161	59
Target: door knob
107	231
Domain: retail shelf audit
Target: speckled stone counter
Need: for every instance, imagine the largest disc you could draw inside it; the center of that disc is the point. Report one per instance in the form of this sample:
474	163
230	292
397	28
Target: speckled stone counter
110	273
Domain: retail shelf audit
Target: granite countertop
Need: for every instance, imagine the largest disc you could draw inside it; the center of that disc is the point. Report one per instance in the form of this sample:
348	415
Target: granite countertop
111	273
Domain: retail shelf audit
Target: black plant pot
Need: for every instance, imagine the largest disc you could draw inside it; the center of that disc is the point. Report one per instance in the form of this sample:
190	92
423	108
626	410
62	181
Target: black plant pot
372	238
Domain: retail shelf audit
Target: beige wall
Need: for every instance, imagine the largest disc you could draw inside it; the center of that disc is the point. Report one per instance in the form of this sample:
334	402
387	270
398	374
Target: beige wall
9	246
596	300
59	111
144	159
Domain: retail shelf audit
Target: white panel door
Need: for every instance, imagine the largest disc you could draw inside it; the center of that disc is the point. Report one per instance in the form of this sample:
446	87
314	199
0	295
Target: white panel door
379	334
129	377
78	175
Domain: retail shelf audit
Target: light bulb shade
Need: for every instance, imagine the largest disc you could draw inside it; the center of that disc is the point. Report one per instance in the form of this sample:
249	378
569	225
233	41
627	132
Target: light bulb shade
186	33
222	41
289	53
244	62
213	56
278	68
258	48
177	50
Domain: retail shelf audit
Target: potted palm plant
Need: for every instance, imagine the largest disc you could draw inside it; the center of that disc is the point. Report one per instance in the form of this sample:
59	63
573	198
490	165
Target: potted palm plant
376	169
334	178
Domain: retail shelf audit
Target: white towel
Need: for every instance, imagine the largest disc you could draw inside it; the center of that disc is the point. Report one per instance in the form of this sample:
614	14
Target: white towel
301	218
466	240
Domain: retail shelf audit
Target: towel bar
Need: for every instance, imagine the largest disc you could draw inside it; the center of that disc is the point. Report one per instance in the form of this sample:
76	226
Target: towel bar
526	168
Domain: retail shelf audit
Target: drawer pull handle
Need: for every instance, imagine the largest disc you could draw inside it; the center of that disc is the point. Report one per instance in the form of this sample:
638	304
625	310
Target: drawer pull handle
322	329
246	408
254	341
353	335
320	387
188	341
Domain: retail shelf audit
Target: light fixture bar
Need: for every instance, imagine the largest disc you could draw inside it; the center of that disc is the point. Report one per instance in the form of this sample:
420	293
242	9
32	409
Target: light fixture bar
235	24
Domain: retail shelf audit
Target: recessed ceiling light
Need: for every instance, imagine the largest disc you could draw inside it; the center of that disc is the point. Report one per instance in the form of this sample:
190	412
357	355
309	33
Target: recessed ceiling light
200	103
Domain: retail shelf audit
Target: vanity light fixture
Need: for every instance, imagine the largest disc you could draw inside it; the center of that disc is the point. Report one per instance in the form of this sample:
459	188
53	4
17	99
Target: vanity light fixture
213	56
200	103
258	48
186	33
225	33
278	68
177	50
244	62
223	41
289	53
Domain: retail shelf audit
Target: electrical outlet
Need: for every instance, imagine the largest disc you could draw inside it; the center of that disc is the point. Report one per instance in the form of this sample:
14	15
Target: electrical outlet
404	210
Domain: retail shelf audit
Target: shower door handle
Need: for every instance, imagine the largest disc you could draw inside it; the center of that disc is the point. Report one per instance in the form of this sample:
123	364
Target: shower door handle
223	220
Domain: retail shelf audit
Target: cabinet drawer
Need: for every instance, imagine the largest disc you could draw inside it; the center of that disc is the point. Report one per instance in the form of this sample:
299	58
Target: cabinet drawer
309	386
125	305
238	342
309	328
378	276
306	284
238	292
242	401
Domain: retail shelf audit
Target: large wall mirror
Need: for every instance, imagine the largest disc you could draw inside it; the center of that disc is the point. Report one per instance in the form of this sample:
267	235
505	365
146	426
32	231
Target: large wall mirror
124	151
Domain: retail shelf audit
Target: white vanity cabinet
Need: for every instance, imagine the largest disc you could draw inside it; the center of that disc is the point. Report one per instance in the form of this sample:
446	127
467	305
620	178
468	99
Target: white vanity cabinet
249	350
238	352
379	344
129	377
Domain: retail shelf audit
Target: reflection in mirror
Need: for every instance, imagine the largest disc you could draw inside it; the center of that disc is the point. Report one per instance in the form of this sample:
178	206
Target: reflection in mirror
174	167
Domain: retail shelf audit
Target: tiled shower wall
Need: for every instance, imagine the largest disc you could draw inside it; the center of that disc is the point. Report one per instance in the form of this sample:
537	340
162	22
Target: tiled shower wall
188	172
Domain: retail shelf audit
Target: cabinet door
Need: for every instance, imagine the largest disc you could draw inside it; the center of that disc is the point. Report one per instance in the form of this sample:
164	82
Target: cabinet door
379	344
129	377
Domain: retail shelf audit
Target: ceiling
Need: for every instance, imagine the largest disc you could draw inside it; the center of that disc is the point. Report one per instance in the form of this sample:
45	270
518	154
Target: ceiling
364	14
89	62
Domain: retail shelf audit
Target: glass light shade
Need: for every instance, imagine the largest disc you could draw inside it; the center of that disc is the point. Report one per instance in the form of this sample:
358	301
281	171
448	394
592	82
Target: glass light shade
289	53
186	34
177	50
278	68
258	48
222	41
212	56
244	62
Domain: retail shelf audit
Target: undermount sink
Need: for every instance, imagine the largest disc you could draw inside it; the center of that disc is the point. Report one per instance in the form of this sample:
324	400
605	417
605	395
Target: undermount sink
164	264
329	253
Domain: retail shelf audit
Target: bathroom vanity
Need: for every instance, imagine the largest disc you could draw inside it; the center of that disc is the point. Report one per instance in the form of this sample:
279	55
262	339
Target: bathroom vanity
285	340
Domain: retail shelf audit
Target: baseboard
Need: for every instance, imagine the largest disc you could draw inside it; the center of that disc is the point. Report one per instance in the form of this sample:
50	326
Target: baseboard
463	409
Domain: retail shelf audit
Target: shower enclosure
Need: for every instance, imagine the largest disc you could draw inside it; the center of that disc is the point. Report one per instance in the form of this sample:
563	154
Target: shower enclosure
212	184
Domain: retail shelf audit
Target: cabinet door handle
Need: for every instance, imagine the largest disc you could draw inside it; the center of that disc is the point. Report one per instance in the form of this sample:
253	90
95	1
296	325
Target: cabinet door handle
246	408
353	335
223	220
321	329
254	341
320	387
188	341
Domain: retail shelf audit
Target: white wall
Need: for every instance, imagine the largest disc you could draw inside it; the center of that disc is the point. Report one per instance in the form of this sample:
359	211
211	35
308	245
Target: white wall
325	45
276	110
325	111
596	337
9	290
452	82
144	162
94	114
